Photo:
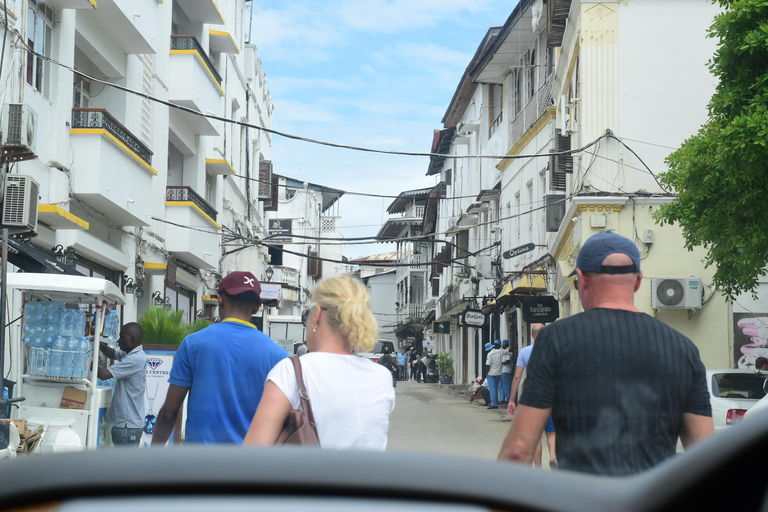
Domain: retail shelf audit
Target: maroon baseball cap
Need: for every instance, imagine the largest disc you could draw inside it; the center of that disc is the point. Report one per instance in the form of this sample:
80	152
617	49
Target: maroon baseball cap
240	282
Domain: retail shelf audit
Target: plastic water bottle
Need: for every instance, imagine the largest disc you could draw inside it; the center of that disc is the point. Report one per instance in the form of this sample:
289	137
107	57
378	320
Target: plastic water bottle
70	357
85	351
79	323
56	365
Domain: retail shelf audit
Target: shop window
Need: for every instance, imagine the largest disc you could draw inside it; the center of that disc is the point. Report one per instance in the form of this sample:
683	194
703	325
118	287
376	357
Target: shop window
39	35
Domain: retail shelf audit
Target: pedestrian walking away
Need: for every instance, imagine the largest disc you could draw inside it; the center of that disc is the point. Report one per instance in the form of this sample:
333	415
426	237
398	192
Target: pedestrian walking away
619	384
506	372
126	415
352	397
414	358
223	368
493	363
549	429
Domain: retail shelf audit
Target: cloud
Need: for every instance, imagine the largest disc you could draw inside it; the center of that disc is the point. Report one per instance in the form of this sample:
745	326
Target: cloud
288	84
388	16
295	111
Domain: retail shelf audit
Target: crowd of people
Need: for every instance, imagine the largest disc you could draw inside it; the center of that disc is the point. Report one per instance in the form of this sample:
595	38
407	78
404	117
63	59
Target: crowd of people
611	418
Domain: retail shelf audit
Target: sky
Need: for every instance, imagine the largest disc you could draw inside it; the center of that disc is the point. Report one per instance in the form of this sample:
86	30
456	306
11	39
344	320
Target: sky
372	73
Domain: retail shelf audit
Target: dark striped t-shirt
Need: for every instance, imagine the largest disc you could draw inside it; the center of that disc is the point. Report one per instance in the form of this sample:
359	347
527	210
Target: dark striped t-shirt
619	383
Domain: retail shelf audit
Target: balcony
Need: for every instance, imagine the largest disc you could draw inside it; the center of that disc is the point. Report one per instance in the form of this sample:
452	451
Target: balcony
195	84
285	276
185	208
410	258
410	313
414	212
131	25
201	11
112	168
329	225
534	109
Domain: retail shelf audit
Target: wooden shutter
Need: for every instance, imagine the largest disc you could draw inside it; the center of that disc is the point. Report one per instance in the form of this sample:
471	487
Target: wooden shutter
271	204
315	266
564	162
556	178
265	180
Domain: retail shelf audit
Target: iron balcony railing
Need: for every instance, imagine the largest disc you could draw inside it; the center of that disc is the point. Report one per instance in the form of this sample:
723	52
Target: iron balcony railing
191	43
186	194
98	118
533	110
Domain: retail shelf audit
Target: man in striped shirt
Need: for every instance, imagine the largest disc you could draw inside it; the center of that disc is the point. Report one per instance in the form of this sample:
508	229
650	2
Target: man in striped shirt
612	418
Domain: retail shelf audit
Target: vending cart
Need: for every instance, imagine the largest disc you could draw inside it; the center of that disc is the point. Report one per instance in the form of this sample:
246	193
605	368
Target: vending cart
55	355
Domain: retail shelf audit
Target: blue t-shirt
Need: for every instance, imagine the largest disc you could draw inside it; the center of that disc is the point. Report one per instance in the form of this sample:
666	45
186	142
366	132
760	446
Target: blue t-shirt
401	359
225	366
525	355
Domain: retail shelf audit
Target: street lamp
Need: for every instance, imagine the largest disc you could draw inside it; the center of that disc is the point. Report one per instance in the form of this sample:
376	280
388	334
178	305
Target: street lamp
167	303
139	291
157	299
58	251
269	273
70	257
130	286
200	313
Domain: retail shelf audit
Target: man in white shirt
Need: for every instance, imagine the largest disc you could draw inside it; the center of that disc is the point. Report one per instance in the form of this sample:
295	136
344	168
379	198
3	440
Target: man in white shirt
493	362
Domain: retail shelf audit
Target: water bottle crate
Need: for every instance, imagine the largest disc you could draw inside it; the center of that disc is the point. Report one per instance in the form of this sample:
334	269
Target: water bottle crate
60	364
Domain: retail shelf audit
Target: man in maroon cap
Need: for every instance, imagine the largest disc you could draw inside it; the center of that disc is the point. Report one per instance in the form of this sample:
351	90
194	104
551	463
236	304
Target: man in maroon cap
223	368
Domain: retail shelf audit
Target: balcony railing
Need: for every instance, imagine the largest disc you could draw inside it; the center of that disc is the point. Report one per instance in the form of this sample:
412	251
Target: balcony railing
285	275
100	119
414	212
329	224
533	110
186	194
410	313
191	43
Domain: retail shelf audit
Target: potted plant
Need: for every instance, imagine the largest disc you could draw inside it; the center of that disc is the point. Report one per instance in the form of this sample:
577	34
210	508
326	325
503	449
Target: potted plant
445	366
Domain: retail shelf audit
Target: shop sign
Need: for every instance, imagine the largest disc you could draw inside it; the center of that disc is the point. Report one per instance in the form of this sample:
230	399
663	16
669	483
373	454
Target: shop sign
280	229
517	251
269	292
441	327
472	318
543	309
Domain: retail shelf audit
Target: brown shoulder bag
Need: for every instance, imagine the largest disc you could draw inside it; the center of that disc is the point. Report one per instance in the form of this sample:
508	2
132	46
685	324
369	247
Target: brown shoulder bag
299	427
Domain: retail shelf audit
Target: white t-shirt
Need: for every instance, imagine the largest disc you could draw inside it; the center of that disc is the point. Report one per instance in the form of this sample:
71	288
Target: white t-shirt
494	361
505	358
351	398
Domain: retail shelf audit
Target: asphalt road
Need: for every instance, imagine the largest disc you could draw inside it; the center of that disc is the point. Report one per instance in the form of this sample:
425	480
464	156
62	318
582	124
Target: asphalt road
429	419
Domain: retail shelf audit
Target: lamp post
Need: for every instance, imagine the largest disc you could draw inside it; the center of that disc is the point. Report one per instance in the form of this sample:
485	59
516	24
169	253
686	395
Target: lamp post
269	273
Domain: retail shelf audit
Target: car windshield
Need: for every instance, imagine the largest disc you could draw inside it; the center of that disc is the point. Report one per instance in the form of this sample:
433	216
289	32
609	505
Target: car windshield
738	385
194	191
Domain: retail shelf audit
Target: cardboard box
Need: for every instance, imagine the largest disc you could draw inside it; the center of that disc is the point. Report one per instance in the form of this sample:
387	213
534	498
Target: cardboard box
21	426
73	398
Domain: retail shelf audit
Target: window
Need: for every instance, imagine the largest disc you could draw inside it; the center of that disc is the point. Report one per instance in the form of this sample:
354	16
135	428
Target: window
210	190
532	75
494	108
518	91
39	39
82	94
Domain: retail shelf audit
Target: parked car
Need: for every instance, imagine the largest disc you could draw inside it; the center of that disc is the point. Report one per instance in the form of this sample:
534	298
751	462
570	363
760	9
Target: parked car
762	404
378	350
732	393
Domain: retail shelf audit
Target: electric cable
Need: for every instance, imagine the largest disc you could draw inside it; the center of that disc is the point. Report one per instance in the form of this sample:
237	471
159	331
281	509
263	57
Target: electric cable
611	135
215	117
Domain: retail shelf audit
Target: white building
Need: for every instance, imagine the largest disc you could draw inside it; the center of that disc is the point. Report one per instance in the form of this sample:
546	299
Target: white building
143	191
304	246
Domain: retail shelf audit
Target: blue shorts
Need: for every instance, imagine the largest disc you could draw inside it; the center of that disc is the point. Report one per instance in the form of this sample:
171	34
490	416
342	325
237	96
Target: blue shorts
550	426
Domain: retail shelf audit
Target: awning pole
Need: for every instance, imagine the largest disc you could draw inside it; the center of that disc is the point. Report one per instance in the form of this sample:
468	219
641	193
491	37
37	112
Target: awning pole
3	279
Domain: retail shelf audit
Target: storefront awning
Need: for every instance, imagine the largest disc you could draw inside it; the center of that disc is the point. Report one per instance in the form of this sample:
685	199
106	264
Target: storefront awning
30	259
528	285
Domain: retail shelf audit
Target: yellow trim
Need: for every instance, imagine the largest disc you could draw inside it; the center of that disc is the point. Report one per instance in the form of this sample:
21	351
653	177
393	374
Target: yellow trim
154	266
600	207
190	203
210	297
58	210
238	321
102	131
528	137
93	3
220	161
222	33
218	12
210	73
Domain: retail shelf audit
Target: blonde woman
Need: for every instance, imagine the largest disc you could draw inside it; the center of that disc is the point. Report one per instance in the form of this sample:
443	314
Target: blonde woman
351	396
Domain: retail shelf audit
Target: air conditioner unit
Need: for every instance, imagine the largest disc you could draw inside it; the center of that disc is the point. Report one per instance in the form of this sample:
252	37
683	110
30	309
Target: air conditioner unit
20	204
19	125
676	292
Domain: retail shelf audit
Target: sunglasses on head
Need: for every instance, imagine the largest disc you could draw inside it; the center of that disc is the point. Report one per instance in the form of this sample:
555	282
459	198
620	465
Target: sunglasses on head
304	317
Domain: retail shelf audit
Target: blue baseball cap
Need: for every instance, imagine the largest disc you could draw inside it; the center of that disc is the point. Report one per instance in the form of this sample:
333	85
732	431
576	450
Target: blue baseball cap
600	246
488	346
505	343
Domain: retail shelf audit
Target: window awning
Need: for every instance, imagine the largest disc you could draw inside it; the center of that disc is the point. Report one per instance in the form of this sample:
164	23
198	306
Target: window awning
29	259
528	285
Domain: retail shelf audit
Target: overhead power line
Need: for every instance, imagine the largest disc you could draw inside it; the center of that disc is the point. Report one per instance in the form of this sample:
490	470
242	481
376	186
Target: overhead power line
284	134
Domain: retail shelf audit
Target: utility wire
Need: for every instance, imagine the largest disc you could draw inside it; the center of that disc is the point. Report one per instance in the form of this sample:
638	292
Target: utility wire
289	135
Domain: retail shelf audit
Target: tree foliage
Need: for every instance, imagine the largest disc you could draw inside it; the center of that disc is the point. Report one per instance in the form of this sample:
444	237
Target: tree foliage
721	173
165	327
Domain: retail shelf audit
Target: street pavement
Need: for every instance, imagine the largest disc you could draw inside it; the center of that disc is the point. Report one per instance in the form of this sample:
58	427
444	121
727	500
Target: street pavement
431	419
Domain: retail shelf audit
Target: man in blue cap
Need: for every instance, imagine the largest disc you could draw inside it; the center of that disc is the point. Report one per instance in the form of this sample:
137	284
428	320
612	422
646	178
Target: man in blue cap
612	418
493	364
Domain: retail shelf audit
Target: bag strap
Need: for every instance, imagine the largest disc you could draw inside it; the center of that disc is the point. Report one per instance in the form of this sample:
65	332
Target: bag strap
303	395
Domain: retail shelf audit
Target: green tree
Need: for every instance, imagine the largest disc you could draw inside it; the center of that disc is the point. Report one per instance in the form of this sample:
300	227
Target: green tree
720	173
